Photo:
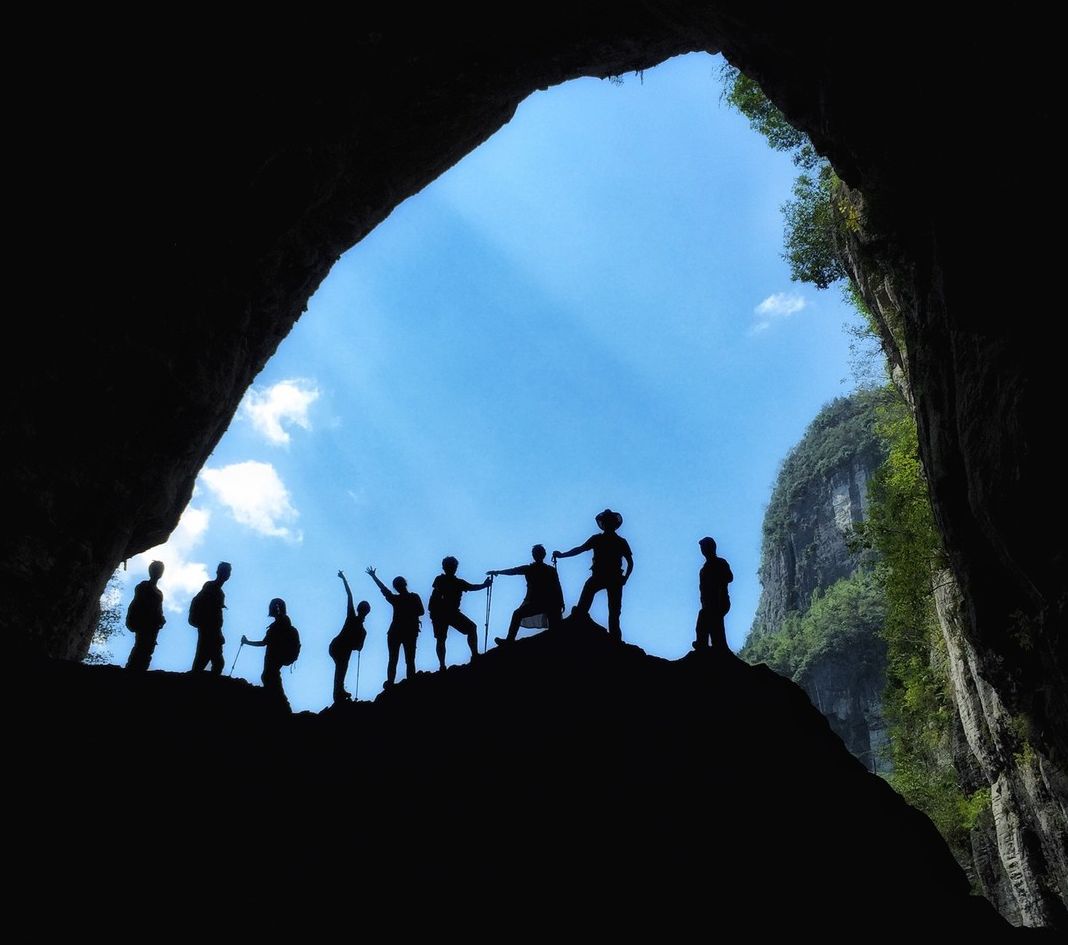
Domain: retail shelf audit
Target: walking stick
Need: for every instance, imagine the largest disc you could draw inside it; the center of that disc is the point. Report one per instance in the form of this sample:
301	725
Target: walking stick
489	597
356	694
231	673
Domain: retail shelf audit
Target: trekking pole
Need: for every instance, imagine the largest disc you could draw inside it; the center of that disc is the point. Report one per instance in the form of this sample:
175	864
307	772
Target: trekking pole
231	673
356	694
489	597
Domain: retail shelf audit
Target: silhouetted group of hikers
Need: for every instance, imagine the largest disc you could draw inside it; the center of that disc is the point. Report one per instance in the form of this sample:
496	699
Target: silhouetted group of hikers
542	607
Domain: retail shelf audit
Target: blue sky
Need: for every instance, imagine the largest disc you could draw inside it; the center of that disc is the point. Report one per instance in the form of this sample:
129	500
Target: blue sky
589	310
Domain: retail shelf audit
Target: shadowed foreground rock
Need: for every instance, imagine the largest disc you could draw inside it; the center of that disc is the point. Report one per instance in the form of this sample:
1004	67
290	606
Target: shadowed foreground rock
593	783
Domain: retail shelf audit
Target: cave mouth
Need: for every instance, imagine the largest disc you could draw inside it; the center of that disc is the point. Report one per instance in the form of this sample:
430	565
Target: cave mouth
589	309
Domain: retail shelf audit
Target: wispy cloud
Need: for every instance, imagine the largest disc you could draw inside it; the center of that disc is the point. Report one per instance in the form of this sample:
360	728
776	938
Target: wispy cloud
286	402
182	577
255	496
775	308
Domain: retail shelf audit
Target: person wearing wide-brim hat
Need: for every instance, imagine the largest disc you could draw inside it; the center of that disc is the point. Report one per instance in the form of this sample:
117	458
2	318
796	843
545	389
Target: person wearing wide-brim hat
610	550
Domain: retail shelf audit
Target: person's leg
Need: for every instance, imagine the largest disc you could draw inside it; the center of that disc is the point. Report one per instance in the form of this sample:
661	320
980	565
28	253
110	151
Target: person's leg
467	627
341	667
441	632
216	657
522	611
409	658
585	601
272	680
701	630
717	632
393	647
513	625
200	658
141	654
615	605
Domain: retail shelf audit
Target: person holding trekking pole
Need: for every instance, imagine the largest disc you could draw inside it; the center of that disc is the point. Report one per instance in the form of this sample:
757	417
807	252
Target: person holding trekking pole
544	601
349	640
444	608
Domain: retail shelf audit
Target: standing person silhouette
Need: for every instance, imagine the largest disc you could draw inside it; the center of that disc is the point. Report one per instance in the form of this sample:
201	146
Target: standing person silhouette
145	618
715	600
206	614
403	629
544	599
349	639
283	647
610	550
444	607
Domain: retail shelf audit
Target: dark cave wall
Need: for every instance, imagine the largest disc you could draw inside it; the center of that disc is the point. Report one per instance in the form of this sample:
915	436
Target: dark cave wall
207	185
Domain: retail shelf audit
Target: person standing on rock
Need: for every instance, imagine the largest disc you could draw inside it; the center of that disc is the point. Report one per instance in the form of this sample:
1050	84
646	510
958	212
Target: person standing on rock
206	614
145	618
403	629
715	600
610	550
544	602
283	647
350	639
444	608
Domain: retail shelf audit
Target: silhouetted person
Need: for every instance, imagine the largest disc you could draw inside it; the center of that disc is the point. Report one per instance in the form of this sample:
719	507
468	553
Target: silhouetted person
403	629
283	647
544	603
206	614
145	618
445	608
715	599
349	639
610	550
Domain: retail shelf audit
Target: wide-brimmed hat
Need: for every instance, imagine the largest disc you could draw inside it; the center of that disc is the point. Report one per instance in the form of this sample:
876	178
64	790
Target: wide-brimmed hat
608	516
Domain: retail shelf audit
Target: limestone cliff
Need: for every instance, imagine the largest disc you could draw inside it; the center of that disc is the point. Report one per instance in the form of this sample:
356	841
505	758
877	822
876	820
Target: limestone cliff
820	495
1018	850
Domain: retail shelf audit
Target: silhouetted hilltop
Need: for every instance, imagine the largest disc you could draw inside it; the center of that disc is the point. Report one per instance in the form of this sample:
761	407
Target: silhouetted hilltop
562	777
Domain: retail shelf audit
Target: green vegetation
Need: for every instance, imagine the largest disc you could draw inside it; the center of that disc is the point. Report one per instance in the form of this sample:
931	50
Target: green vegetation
109	623
918	701
815	215
900	530
845	619
841	430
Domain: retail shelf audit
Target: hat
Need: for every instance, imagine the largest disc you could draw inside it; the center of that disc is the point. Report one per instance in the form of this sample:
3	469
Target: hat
608	516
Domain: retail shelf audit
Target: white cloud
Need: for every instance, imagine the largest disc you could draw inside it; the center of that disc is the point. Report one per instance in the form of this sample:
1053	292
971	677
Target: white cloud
255	496
285	402
777	306
182	577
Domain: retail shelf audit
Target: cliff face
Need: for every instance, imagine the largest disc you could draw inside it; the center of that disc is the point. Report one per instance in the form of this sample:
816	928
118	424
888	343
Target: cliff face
1019	855
820	495
565	779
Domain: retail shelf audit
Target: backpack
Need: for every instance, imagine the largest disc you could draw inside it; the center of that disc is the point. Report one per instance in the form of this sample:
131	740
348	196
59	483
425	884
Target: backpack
196	609
288	645
136	614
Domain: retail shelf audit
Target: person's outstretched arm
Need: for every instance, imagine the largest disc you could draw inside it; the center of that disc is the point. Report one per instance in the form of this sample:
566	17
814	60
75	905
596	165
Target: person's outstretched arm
468	586
348	592
577	550
249	642
382	587
515	570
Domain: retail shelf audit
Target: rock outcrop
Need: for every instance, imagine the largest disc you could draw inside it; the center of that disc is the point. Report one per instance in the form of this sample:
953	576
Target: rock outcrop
563	779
